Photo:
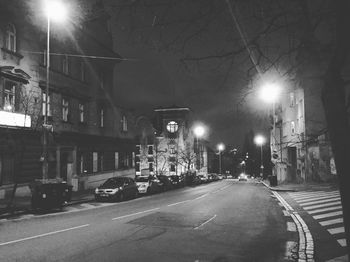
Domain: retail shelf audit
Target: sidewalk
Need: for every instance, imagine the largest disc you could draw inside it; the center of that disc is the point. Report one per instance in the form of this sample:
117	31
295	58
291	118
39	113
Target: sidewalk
292	187
22	205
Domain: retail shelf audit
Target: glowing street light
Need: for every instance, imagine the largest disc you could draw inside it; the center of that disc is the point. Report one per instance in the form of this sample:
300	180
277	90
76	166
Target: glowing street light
260	140
55	11
221	147
199	132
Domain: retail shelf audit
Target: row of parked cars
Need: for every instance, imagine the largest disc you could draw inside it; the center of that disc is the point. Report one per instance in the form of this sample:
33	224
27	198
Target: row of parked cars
121	188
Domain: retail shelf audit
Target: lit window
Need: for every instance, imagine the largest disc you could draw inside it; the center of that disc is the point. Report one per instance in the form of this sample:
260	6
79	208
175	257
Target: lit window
48	104
65	64
65	109
116	160
44	58
172	150
124	124
292	127
102	116
94	161
11	37
9	96
172	127
292	99
81	164
81	113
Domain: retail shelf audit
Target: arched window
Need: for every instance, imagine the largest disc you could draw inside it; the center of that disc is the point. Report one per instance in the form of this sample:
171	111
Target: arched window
11	37
172	127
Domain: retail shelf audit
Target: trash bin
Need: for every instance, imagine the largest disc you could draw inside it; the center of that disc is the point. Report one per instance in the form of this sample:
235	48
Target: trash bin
273	180
50	194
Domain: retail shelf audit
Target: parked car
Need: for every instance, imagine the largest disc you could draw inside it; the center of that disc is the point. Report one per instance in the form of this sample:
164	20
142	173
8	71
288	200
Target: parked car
242	177
203	178
165	182
148	184
177	181
117	188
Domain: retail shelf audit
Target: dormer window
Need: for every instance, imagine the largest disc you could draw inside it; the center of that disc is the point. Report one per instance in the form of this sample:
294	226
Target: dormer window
10	42
172	127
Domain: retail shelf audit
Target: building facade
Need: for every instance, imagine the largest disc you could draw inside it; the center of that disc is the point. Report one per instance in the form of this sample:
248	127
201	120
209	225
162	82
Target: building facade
90	138
169	147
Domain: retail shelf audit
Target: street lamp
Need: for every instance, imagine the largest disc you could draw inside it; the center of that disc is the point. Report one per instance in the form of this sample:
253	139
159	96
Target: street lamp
221	147
269	93
260	140
199	132
55	11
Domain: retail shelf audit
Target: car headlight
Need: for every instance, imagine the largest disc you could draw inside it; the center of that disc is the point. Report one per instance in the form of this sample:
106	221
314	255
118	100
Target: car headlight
96	190
115	190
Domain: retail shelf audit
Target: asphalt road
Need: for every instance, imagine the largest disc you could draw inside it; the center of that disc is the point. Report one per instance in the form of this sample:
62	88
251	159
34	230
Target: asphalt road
222	221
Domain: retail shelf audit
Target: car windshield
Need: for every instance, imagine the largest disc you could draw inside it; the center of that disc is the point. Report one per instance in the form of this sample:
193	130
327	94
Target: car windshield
142	179
113	182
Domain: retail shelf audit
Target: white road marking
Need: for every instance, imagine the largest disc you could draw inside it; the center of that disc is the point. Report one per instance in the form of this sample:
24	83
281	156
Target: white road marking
286	213
201	196
319	201
332	222
178	203
332	214
316	198
325	209
336	230
301	197
313	193
291	227
43	235
322	205
342	242
206	222
135	214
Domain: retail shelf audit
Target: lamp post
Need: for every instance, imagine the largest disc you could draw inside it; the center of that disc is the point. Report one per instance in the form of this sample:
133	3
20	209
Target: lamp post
199	131
56	11
260	140
269	93
221	147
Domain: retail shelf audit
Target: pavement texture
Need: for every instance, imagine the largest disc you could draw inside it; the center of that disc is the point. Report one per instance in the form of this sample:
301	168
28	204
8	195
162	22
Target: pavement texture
22	205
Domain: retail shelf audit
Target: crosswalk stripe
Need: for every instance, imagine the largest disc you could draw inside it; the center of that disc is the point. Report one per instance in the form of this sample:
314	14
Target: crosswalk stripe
299	198
342	242
322	205
332	222
319	201
315	198
331	214
313	193
338	207
336	230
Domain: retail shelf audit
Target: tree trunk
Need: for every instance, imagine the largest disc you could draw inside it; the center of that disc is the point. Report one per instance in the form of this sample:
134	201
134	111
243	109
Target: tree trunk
334	102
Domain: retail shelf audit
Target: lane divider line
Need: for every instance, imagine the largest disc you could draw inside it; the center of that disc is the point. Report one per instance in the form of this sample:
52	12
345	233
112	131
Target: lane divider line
43	235
178	203
206	222
137	213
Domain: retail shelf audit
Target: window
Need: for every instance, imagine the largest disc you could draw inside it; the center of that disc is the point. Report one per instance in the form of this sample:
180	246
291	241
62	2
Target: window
291	99
102	117
150	167
172	167
94	161
81	164
65	64
137	167
101	76
81	113
292	127
172	127
82	71
11	38
116	160
124	124
65	109
10	96
150	150
48	104
44	58
101	164
172	149
7	167
138	149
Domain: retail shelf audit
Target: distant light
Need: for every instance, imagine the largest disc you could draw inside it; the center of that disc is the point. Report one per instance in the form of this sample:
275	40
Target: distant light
199	131
270	92
8	108
221	147
259	140
55	10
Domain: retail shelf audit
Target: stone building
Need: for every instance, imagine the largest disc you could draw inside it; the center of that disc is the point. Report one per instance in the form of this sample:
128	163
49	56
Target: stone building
90	137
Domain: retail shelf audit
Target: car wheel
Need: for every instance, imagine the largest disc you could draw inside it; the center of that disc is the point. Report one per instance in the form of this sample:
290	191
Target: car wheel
121	197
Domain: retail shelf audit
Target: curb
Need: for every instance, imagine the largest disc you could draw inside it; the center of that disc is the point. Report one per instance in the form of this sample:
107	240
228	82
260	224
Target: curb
278	189
18	213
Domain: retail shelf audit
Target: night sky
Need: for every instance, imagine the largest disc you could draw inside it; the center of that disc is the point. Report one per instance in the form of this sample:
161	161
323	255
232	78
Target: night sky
154	74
